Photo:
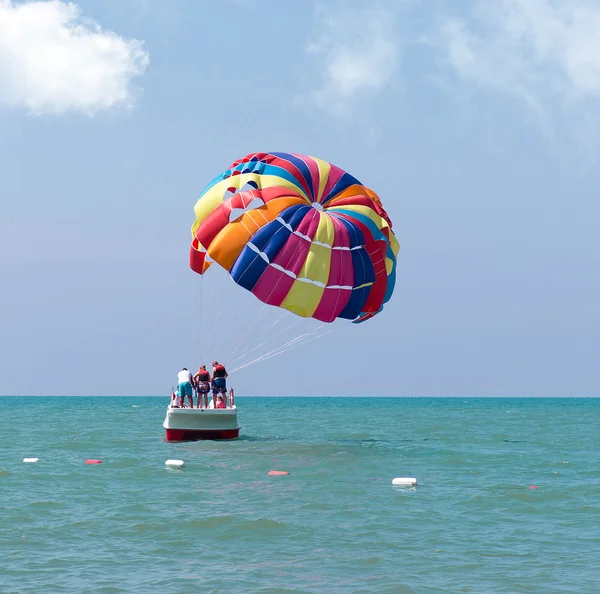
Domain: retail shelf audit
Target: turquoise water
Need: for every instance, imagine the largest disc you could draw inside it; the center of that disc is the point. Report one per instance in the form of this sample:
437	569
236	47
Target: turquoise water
335	524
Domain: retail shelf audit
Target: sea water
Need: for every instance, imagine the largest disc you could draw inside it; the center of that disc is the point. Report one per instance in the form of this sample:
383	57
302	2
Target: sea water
508	497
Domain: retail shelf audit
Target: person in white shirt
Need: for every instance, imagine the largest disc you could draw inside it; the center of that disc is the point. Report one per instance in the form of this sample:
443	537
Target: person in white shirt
185	383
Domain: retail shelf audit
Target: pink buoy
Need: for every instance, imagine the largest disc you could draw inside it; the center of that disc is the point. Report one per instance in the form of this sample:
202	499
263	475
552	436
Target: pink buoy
277	472
533	487
93	461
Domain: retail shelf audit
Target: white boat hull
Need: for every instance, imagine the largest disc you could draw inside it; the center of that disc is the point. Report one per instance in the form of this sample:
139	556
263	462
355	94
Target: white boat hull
192	424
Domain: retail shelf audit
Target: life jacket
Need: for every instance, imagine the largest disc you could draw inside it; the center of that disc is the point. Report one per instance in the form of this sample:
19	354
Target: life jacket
203	376
221	404
219	371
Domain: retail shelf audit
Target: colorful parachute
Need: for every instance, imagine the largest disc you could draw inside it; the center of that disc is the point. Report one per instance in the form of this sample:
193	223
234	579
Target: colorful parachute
299	233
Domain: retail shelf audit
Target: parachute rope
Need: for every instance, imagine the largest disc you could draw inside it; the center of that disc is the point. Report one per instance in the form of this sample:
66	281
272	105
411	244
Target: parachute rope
256	323
289	327
199	334
285	347
251	328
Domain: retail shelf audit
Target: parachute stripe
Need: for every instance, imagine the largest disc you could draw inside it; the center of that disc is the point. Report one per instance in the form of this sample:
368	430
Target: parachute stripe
341	278
298	164
306	292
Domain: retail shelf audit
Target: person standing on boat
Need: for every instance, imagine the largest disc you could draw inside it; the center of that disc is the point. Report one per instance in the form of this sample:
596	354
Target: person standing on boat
202	379
185	383
219	381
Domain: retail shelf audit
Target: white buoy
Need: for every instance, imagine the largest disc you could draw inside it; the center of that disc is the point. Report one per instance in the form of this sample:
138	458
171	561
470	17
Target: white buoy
31	459
404	481
177	463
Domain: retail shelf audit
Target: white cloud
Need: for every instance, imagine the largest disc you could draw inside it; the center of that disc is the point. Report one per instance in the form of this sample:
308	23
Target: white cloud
357	55
52	60
546	52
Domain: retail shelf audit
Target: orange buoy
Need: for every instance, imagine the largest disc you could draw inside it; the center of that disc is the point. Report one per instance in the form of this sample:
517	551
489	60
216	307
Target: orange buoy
93	461
277	472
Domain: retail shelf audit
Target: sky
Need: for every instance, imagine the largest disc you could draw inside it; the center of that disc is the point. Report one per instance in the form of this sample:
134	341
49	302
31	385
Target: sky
477	123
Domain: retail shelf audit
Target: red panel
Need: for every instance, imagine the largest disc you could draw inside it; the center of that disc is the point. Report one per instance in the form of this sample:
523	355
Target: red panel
197	259
340	273
334	177
376	251
274	285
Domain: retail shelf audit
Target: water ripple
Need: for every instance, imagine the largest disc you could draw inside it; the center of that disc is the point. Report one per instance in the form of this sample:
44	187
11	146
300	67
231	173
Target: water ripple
334	525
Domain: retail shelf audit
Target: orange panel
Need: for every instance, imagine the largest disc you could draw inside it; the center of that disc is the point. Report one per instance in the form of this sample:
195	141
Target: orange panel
230	241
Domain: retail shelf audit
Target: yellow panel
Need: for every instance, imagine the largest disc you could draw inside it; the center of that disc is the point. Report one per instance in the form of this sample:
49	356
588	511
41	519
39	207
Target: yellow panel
324	170
230	241
303	298
206	205
389	266
394	243
381	224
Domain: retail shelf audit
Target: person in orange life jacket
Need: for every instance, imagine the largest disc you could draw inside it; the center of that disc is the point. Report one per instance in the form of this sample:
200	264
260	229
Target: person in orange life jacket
221	402
202	379
219	382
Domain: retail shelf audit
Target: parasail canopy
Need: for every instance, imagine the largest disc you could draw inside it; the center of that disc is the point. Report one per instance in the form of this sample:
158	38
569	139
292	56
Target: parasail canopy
300	234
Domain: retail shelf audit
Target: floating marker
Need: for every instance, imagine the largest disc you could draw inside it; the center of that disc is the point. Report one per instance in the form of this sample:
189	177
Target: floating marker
31	459
93	461
533	487
177	463
404	481
277	472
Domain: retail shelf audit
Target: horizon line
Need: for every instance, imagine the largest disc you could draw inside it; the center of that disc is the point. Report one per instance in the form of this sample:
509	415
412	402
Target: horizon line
273	396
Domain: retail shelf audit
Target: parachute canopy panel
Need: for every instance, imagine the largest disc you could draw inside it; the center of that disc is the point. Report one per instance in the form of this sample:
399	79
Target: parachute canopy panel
299	233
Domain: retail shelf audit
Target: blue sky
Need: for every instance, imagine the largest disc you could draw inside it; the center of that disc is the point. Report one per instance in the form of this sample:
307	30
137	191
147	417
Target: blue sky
477	124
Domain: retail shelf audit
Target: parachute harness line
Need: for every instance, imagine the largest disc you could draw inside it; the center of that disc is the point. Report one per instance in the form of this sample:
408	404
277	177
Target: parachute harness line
282	349
249	330
290	327
297	233
200	323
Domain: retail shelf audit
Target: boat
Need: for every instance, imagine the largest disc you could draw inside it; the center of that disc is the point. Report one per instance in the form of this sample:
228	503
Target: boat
193	424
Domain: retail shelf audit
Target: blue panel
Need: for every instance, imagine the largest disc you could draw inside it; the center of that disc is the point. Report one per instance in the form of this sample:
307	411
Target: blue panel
363	264
344	182
284	173
249	266
355	304
270	238
363	273
302	168
293	215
